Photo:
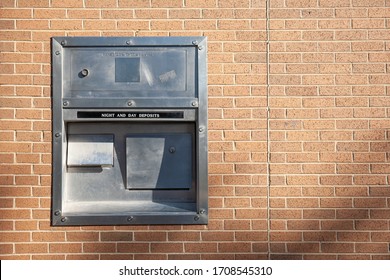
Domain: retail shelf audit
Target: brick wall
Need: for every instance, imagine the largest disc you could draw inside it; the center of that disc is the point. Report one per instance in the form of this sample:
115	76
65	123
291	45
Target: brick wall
298	128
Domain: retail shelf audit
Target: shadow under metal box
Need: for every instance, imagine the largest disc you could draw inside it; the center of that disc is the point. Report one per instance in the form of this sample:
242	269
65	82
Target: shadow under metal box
129	130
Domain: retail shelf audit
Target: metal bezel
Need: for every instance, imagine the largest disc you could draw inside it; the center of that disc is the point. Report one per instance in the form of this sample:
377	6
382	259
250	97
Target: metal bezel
64	111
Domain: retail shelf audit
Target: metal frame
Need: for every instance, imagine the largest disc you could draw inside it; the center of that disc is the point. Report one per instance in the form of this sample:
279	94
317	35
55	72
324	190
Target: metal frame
64	112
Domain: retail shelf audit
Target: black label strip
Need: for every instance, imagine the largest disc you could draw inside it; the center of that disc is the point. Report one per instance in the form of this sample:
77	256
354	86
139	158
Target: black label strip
129	115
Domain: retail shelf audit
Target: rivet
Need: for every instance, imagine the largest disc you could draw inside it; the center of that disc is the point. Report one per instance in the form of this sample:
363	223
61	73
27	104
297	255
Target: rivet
194	103
200	48
57	52
172	150
129	219
63	43
63	219
57	213
196	218
58	134
201	129
128	42
65	103
130	103
195	42
84	72
202	211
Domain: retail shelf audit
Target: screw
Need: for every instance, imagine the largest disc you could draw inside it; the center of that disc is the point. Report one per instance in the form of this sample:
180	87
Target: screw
202	211
131	218
201	129
58	134
130	103
65	103
195	42
172	150
200	48
128	42
57	213
194	103
63	43
57	52
63	219
84	72
196	218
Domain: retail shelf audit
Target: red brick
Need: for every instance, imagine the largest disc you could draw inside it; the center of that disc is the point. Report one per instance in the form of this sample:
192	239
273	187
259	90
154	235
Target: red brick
372	247
372	225
201	247
380	236
380	213
337	247
302	202
166	247
379	191
319	236
6	249
303	247
353	236
15	214
336	180
234	247
48	236
352	214
302	180
237	224
151	236
133	247
67	3
319	214
303	225
14	237
116	236
285	236
99	247
337	225
31	248
370	202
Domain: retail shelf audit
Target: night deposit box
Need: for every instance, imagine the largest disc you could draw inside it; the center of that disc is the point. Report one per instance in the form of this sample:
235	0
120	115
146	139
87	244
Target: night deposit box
129	130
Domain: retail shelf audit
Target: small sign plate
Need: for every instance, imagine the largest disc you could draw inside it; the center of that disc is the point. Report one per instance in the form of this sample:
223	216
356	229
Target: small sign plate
129	115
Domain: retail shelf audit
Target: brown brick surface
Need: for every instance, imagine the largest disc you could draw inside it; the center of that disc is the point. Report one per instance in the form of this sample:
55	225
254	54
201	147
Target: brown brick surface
315	107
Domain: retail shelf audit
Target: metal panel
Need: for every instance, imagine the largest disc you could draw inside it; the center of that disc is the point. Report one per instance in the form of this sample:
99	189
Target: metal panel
122	94
142	72
159	161
90	150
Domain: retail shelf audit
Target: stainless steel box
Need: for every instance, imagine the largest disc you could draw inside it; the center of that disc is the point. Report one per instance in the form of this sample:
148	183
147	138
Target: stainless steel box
129	130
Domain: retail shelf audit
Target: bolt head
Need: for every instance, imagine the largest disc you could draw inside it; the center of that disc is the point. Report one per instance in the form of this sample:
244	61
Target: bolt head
57	52
65	103
84	72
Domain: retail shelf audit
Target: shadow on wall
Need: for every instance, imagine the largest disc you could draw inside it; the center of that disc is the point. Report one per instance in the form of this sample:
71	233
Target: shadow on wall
345	216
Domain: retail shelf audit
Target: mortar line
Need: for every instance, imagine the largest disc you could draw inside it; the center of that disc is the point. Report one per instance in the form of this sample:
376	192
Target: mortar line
267	10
